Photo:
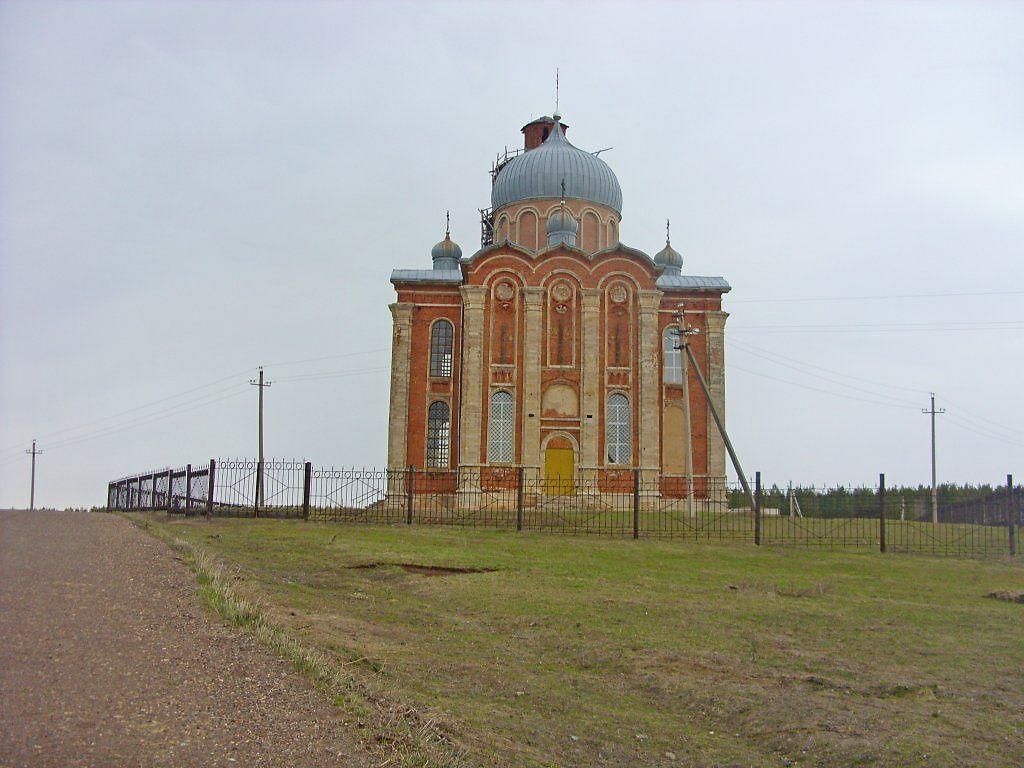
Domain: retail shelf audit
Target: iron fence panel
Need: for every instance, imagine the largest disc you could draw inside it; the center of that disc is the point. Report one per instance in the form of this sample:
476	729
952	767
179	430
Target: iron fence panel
609	501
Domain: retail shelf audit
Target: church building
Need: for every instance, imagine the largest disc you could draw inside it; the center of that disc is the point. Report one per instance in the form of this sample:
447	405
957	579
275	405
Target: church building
554	347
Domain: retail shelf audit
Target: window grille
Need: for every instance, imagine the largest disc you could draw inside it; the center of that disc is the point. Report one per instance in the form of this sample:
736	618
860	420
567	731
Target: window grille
673	373
500	428
442	335
619	430
438	434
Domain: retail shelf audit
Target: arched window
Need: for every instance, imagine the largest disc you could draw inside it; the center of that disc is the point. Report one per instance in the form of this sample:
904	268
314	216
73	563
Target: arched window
438	434
619	430
501	428
441	336
673	371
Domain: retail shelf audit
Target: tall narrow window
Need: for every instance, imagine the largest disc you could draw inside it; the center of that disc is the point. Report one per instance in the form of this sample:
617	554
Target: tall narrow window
619	430
441	337
438	434
673	357
500	429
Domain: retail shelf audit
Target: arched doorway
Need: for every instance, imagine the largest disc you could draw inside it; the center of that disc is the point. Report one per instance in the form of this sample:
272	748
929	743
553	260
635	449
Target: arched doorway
560	467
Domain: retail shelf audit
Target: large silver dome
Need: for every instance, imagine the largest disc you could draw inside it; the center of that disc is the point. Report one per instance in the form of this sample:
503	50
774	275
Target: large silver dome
539	173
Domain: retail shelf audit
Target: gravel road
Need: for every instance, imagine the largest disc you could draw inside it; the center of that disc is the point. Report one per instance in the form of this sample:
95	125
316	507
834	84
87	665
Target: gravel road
107	658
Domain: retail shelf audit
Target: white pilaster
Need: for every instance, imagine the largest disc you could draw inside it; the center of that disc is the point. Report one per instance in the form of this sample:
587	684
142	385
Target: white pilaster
398	418
534	304
470	420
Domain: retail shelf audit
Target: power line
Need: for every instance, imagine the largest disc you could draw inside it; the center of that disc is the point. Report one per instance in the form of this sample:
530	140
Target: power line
148	419
201	402
983	325
735	367
999	425
331	374
16	448
827	378
876	298
886	385
992	431
327	357
981	432
142	407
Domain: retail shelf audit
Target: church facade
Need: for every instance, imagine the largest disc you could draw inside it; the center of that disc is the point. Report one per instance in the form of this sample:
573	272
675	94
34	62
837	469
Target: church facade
554	347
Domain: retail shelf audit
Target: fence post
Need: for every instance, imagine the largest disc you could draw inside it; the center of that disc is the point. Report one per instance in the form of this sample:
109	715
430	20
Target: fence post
209	494
881	512
519	499
636	503
1010	522
757	508
410	479
170	489
307	474
188	490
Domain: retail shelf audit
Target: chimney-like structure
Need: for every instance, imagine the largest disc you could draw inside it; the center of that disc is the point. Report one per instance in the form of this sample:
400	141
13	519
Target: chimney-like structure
536	132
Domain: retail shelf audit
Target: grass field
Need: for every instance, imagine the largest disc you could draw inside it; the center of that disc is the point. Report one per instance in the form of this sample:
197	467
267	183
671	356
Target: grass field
564	651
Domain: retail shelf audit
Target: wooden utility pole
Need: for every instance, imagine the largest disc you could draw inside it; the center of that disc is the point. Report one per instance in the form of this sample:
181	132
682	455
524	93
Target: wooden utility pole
32	492
259	466
935	491
684	365
684	343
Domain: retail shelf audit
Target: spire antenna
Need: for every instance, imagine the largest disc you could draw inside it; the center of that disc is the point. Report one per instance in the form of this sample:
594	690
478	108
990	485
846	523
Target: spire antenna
668	236
447	223
556	115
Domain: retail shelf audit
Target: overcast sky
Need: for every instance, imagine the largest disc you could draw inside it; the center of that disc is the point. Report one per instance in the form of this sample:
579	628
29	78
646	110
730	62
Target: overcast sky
188	190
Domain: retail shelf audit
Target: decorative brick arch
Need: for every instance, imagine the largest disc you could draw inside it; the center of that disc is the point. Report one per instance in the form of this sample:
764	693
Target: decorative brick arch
590	231
502	229
528	229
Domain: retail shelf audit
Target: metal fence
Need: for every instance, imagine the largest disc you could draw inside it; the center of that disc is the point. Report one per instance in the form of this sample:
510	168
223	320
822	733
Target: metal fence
615	502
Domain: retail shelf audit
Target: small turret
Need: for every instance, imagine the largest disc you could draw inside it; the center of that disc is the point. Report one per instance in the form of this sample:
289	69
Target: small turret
562	227
668	257
446	254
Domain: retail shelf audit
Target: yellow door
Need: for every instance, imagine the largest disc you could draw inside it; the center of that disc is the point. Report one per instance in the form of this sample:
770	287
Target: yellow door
559	466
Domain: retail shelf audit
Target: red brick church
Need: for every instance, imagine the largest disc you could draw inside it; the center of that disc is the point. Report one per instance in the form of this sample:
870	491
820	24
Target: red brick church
554	346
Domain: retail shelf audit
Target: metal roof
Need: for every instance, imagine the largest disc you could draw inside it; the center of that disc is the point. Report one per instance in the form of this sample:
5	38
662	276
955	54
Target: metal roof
665	282
539	174
693	283
446	276
446	249
669	257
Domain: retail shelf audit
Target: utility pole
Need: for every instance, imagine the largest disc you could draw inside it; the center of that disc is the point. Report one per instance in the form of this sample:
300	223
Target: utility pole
259	467
684	344
935	491
685	368
32	492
